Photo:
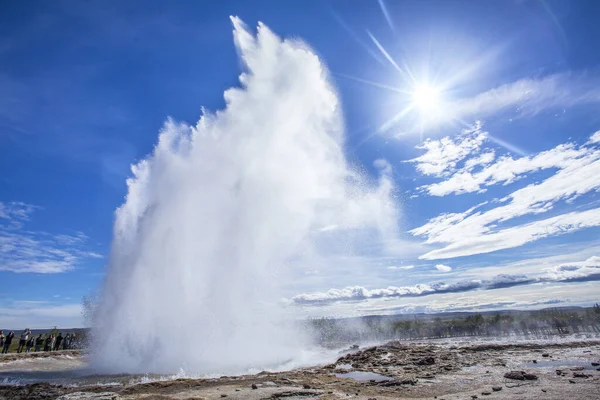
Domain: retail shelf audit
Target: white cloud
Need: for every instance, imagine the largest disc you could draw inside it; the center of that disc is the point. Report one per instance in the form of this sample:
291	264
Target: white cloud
400	267
588	270
483	160
576	270
531	96
516	236
441	156
507	170
595	138
443	268
475	232
24	251
14	214
40	314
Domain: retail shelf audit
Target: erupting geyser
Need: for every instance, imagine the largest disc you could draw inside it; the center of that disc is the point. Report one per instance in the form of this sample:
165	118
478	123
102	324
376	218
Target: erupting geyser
218	213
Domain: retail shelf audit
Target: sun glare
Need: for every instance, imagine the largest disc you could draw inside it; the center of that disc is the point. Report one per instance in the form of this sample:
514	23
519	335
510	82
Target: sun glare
426	98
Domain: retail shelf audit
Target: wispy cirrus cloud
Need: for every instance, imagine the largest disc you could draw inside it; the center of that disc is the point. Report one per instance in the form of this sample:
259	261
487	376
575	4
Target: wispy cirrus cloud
515	236
583	271
400	267
531	96
25	251
575	172
20	314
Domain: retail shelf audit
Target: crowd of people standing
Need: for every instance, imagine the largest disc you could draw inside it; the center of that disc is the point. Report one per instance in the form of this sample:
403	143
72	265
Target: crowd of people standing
28	341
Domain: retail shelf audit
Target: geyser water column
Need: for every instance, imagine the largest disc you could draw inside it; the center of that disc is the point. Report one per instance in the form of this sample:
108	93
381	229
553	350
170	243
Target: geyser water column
214	215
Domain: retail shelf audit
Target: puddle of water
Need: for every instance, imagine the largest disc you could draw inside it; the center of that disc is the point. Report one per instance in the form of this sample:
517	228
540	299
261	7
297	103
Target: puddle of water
364	376
586	364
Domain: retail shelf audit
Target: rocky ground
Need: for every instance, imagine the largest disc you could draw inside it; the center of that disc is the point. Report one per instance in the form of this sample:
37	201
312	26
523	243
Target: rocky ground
394	371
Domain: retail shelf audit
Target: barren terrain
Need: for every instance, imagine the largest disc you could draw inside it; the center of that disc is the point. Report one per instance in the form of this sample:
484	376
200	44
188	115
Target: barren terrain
395	370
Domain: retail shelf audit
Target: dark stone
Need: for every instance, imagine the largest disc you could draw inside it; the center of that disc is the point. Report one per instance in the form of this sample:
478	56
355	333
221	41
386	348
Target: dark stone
520	376
406	381
545	355
254	386
595	364
530	377
486	393
497	388
426	361
305	386
580	375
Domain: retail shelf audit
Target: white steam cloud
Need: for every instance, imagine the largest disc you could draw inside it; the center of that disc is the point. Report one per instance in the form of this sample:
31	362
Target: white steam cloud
218	213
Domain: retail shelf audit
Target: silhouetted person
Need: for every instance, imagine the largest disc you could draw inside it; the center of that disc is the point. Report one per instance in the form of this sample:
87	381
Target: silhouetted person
8	341
39	343
67	342
59	340
23	340
2	337
48	343
73	341
30	344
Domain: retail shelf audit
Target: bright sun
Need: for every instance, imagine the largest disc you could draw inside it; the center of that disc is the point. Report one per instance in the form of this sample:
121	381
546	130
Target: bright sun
426	98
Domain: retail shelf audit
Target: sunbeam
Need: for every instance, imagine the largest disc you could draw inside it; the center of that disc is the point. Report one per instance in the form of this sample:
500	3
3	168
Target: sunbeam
386	14
389	58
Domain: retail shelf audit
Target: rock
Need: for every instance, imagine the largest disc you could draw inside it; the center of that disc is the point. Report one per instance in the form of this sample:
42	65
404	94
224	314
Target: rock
577	368
534	361
571	381
486	393
581	375
474	397
305	386
530	377
544	390
545	355
559	372
595	364
90	396
496	388
406	381
223	395
520	376
426	361
254	386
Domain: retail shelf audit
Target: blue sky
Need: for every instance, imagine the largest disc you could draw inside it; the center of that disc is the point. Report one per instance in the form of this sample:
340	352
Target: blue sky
497	180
